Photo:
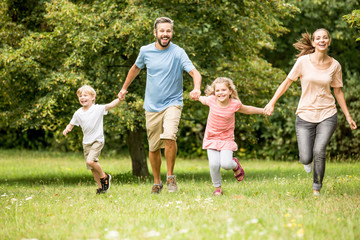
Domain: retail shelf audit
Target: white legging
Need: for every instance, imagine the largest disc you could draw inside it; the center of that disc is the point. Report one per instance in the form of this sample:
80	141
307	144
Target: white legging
219	159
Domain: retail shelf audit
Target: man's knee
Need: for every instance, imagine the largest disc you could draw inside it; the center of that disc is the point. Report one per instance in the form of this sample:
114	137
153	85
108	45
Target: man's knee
170	142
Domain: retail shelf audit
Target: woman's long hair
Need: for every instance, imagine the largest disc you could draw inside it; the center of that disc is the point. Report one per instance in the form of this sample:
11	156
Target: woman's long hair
304	45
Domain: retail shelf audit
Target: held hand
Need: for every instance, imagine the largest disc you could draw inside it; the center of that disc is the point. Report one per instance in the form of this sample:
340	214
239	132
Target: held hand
122	94
195	94
269	109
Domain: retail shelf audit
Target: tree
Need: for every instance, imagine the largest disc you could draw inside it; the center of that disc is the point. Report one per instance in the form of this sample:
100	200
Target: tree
354	20
54	47
280	137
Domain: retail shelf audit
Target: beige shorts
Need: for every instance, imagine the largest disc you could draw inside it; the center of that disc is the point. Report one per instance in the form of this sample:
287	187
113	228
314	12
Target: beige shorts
162	125
92	152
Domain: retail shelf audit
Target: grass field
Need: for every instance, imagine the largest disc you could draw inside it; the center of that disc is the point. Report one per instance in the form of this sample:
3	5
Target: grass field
49	195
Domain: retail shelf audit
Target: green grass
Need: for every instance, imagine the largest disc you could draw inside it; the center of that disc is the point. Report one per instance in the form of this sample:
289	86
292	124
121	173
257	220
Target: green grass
48	195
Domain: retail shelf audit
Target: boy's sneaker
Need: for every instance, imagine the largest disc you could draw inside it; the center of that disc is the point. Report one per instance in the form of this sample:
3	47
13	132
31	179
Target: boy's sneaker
106	182
308	168
171	183
99	191
156	188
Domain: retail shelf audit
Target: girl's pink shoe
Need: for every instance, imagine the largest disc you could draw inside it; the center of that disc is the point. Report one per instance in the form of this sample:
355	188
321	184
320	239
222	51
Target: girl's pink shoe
240	176
218	192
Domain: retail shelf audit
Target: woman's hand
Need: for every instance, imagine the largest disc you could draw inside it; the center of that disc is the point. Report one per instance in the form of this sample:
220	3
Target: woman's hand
269	109
351	123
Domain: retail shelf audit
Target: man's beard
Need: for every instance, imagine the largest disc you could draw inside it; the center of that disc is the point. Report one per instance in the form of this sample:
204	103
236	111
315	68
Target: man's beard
167	44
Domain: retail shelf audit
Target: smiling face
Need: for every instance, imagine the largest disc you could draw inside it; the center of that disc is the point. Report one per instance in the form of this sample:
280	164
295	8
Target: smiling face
163	34
222	93
321	40
86	99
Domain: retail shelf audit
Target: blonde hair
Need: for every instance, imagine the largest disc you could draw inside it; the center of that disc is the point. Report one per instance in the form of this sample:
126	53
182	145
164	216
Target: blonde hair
210	89
304	45
87	89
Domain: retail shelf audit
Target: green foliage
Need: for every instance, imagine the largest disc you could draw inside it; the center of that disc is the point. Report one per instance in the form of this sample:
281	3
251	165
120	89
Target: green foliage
279	137
50	48
346	142
319	14
354	20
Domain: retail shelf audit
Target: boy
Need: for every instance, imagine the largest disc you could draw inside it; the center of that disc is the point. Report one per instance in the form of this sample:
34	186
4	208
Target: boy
90	118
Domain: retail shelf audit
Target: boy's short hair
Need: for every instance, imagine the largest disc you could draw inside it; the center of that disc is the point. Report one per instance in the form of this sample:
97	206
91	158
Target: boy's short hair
86	88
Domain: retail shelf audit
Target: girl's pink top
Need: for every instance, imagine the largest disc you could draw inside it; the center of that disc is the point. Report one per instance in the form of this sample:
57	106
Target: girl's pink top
219	133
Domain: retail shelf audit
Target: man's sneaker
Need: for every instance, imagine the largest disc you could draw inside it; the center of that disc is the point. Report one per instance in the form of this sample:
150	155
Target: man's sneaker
99	191
106	182
156	188
308	168
171	184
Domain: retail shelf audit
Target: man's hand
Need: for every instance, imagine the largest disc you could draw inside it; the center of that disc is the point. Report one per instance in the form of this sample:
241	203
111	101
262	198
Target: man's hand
122	94
195	94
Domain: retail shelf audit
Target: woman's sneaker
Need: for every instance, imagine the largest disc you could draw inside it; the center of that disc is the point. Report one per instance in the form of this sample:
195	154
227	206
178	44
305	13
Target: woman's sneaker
156	188
308	168
316	192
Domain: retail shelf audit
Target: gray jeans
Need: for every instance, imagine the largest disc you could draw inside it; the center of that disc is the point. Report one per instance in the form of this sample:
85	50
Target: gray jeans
313	139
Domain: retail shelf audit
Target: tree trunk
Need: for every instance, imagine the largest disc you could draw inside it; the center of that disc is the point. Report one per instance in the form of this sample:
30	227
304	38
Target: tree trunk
135	144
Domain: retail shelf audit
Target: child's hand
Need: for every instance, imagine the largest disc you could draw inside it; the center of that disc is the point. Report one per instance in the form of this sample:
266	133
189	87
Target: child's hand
122	94
65	131
68	129
195	94
269	109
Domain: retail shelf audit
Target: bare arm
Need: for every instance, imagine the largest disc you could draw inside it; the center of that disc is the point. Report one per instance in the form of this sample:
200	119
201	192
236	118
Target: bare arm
202	99
269	108
340	97
195	93
113	104
68	128
132	74
251	110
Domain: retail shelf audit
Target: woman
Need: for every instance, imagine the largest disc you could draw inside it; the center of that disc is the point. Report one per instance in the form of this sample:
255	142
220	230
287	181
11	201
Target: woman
316	118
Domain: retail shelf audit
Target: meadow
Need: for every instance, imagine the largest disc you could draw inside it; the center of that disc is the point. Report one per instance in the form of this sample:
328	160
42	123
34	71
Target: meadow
51	195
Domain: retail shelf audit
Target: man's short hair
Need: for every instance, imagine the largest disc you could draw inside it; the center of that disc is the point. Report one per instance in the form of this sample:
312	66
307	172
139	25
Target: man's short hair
163	20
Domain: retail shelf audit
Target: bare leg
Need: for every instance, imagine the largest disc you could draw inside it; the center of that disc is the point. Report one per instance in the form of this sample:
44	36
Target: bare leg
155	160
170	155
96	171
96	177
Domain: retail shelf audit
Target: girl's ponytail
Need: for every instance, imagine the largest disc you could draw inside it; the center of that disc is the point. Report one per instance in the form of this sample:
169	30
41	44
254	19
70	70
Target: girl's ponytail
304	45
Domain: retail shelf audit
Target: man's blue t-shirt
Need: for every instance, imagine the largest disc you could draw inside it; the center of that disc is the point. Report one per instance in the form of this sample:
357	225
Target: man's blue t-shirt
164	81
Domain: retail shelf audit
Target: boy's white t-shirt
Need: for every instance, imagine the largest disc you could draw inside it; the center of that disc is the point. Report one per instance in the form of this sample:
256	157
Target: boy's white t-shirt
91	123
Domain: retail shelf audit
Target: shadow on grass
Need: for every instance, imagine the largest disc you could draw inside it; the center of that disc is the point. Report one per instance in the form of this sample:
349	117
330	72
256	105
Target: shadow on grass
128	178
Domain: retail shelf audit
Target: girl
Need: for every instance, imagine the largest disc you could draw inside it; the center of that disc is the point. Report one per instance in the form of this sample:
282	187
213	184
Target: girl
316	118
223	100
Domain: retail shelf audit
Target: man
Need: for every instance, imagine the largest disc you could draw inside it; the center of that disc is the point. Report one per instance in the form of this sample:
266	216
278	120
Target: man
165	63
